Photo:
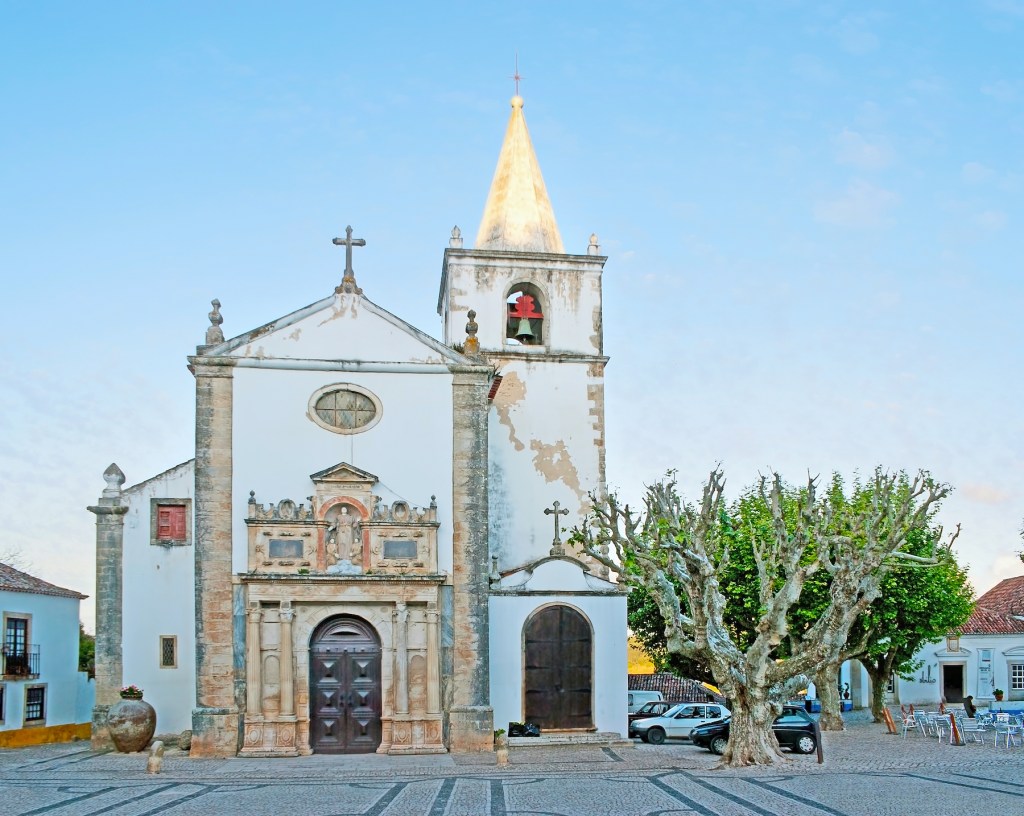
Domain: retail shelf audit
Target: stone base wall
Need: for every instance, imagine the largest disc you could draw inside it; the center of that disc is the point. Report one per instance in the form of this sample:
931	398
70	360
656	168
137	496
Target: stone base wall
99	734
470	728
405	734
214	733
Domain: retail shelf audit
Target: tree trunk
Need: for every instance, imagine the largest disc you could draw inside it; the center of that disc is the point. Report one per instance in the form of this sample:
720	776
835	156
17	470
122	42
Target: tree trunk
878	672
827	683
751	739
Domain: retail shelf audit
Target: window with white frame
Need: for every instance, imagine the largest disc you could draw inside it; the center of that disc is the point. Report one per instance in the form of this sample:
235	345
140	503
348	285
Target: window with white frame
1017	677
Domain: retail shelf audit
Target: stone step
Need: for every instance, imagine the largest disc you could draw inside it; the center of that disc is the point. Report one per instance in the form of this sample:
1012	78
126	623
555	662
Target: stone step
602	739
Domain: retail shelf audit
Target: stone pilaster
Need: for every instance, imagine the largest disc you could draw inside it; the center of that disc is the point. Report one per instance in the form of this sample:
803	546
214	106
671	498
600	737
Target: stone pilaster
215	719
401	658
109	512
433	662
287	661
254	662
471	718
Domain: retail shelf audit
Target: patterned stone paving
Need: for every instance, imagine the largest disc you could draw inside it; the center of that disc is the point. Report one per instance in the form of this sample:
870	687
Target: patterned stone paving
867	772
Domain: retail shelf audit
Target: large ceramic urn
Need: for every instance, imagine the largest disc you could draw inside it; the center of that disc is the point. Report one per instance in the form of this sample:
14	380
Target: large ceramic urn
132	723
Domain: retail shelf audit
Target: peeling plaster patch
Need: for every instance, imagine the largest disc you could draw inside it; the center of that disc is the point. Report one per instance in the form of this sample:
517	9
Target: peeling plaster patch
341	310
294	335
512	391
554	463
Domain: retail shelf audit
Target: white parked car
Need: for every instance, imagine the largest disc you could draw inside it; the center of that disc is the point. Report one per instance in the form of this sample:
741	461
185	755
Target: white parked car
677	722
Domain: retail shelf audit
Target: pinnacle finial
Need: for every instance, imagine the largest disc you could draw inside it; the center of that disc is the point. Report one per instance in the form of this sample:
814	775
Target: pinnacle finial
214	335
472	345
595	247
455	242
114	477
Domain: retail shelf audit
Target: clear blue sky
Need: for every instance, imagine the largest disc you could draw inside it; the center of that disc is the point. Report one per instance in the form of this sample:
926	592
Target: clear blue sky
812	211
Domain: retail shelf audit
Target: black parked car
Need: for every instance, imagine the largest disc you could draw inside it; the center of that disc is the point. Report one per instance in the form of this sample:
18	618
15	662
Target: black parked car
793	728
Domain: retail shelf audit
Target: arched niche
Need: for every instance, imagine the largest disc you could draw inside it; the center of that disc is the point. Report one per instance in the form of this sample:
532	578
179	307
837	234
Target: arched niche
525	321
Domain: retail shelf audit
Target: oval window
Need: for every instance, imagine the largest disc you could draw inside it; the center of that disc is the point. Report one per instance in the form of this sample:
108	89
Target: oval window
344	408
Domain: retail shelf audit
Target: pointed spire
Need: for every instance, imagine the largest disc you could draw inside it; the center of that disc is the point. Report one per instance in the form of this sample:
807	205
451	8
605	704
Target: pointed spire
518	214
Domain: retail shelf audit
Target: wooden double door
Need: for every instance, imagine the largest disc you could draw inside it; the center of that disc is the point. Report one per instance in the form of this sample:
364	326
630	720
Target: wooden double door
559	669
344	688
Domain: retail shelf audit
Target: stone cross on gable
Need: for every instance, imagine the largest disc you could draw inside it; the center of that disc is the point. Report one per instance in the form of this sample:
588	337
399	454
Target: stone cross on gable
348	282
556	545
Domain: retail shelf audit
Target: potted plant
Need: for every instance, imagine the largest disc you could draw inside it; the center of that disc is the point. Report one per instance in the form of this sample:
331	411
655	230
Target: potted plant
131	721
998	695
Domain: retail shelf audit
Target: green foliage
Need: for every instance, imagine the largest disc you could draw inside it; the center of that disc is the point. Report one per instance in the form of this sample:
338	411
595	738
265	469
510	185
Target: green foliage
919	603
86	651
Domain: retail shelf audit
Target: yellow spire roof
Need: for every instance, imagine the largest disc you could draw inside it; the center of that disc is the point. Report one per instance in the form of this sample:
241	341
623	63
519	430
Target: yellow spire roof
518	214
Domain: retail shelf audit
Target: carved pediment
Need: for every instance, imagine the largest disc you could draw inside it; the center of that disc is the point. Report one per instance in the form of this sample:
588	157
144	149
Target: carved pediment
344	473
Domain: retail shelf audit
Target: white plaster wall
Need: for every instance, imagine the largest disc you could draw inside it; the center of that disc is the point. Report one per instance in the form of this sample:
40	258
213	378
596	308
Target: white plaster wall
276	447
159	599
607	616
543	447
571	291
54	628
348	328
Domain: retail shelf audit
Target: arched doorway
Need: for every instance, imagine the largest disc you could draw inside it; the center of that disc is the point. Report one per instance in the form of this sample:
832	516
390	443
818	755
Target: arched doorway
344	687
559	669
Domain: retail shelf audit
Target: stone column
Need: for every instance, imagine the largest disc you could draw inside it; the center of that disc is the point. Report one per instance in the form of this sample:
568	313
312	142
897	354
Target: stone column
215	719
471	718
433	662
287	661
401	658
253	661
109	512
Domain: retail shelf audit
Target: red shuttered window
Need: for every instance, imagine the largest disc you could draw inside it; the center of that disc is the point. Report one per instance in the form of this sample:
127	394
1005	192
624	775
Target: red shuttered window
170	522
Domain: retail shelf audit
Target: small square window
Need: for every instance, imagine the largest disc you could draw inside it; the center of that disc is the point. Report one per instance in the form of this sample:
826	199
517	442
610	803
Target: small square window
35	704
168	651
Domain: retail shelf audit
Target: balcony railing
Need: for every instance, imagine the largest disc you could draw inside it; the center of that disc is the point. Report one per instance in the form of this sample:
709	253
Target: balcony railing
20	662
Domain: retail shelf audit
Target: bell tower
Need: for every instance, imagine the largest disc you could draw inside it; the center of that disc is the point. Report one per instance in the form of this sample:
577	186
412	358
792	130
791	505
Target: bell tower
539	323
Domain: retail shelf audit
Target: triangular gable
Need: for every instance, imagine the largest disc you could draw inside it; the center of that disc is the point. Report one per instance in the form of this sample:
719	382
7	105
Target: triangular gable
340	327
345	473
555	574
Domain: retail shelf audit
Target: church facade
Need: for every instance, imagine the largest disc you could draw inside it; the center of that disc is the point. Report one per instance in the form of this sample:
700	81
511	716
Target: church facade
368	551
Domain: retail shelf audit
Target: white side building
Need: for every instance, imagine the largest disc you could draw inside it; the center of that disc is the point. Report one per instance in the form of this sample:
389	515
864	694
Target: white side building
43	696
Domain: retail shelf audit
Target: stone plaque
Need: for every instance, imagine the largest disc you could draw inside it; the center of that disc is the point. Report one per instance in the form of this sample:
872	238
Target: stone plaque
284	548
400	549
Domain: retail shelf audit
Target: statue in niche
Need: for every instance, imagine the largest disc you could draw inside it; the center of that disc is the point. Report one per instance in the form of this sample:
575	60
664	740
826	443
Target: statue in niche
344	542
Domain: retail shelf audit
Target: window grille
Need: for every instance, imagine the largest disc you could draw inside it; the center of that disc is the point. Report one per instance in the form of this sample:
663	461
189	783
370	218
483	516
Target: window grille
168	651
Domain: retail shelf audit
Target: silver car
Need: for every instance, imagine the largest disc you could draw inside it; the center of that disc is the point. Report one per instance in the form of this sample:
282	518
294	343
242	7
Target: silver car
677	722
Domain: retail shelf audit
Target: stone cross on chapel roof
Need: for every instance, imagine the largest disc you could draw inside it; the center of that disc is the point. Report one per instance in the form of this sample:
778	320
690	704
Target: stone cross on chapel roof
348	282
556	544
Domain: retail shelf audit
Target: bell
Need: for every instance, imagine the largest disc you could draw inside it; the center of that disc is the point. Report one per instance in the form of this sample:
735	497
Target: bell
524	334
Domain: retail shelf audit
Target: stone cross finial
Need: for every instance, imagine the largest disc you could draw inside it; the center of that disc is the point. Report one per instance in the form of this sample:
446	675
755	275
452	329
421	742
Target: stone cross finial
472	346
594	248
455	242
214	335
348	282
556	544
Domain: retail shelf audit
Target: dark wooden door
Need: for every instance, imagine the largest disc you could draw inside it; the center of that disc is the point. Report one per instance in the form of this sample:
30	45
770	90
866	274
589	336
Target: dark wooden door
559	669
344	688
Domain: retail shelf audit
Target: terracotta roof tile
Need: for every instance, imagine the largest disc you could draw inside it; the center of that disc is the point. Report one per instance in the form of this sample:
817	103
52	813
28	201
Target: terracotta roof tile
14	580
1007	597
987	622
674	689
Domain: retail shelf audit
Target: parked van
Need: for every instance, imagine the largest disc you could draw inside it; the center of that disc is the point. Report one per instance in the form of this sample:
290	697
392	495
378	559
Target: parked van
638	698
